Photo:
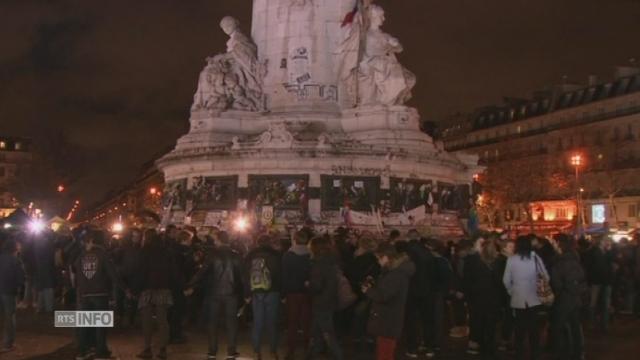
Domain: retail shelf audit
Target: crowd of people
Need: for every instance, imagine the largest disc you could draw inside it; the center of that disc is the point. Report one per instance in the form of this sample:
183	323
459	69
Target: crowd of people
400	295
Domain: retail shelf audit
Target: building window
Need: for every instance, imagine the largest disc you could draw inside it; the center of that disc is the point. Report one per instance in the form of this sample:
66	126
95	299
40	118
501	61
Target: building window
3	145
519	129
633	211
18	146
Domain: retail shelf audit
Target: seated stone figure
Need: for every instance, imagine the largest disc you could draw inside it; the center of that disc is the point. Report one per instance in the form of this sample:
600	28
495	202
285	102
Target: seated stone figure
232	80
382	79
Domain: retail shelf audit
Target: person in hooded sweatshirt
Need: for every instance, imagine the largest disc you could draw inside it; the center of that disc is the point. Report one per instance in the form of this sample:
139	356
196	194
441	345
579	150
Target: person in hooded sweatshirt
388	298
95	275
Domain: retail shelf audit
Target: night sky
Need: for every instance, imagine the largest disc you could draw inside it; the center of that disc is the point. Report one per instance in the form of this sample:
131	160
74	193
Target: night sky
115	79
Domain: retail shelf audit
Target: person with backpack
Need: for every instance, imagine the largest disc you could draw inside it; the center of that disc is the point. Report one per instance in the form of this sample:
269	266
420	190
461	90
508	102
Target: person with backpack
323	286
296	266
264	284
388	296
569	285
222	279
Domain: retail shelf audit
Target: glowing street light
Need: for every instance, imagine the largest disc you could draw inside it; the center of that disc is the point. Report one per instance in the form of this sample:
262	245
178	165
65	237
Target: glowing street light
153	191
241	224
577	161
117	227
60	188
36	226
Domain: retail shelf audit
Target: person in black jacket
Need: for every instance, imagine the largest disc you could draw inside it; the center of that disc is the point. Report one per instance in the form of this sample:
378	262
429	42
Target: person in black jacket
181	255
599	267
484	291
158	277
263	265
221	276
388	296
420	298
569	285
364	265
323	285
296	266
95	275
11	279
442	280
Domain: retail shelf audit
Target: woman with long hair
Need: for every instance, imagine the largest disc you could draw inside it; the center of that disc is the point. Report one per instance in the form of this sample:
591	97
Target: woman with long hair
520	279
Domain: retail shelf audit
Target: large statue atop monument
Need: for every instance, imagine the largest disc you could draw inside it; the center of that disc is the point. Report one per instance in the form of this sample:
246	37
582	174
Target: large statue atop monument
232	80
306	121
368	63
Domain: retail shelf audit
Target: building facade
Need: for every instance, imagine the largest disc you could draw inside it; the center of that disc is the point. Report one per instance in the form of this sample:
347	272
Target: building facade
15	157
597	124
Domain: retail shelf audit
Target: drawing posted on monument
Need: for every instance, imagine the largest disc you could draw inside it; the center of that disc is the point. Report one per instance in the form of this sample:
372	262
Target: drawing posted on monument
175	195
214	193
355	193
285	192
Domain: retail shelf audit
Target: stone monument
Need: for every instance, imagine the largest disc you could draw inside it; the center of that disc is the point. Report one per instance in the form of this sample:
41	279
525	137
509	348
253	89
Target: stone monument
306	121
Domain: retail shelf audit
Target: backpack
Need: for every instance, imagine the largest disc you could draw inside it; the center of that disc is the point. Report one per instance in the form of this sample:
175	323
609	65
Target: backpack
260	275
346	296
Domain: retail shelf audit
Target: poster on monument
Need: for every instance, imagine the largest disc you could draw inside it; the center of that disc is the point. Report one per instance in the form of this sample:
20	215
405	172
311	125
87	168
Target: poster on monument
175	195
279	191
356	193
408	194
447	197
214	193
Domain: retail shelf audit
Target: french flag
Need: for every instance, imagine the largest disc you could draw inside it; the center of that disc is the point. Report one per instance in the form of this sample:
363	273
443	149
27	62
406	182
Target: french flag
348	19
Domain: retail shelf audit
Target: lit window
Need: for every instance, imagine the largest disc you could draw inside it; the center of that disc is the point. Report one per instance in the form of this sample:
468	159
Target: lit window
18	146
598	214
3	145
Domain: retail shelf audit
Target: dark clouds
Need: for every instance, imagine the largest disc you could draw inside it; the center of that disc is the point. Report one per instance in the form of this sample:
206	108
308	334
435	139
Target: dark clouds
117	77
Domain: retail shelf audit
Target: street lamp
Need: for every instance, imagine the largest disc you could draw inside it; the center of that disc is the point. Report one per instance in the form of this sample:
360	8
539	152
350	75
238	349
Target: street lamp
576	161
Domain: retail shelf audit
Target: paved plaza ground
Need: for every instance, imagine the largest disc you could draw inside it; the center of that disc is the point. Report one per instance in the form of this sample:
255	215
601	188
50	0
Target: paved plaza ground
39	340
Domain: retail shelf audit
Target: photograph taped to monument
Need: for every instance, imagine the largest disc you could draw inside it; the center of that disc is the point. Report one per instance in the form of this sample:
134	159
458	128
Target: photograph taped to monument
447	198
214	193
358	193
279	191
175	195
408	194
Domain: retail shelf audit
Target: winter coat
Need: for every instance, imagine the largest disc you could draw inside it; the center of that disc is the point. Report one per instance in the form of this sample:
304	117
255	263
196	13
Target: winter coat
130	266
443	275
520	279
389	297
158	268
296	267
483	283
222	274
45	268
568	281
361	267
323	284
273	261
11	274
422	279
599	266
95	273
